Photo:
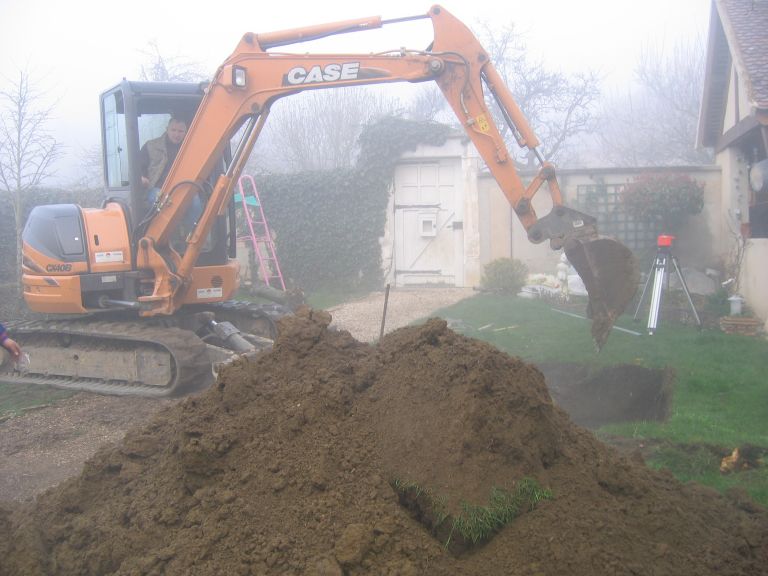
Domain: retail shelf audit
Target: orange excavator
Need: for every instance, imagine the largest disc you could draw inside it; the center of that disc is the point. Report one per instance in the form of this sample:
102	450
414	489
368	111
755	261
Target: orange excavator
134	306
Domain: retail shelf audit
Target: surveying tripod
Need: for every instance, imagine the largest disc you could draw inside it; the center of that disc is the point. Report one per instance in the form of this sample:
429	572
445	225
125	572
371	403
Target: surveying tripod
658	272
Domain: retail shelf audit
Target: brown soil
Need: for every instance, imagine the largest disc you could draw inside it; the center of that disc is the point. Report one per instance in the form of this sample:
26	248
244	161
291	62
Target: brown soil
284	467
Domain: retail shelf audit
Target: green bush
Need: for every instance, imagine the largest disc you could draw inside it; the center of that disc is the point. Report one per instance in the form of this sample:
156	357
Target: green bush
717	303
505	275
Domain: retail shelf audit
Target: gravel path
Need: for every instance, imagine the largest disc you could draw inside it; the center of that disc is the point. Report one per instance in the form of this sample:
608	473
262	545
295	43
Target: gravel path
48	445
362	318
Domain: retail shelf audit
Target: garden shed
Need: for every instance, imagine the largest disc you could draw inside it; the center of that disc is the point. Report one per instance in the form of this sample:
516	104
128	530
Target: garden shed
447	217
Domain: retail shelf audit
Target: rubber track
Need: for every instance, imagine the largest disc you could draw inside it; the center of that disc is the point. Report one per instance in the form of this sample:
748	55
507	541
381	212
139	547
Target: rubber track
191	365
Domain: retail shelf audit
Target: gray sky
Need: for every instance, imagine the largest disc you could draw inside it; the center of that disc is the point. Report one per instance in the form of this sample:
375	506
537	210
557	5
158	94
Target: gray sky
76	49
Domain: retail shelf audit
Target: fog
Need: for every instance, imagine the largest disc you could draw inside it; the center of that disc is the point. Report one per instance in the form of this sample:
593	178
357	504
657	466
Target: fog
73	51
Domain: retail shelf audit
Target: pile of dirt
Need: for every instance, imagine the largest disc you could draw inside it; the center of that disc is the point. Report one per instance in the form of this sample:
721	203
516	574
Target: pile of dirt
286	466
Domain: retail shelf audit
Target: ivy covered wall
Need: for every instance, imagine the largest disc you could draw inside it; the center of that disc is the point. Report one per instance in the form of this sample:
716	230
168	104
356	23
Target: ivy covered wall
8	242
327	224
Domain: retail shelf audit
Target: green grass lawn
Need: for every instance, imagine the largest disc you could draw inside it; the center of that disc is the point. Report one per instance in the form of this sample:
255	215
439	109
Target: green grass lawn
720	395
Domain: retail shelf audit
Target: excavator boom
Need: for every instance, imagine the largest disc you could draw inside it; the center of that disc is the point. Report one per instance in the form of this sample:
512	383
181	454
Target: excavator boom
252	79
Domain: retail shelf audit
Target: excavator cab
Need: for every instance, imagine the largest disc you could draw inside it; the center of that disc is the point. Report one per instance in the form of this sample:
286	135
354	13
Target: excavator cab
133	113
80	260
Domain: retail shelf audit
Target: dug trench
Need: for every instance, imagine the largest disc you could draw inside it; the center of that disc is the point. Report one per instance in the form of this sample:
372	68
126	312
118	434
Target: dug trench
295	462
594	397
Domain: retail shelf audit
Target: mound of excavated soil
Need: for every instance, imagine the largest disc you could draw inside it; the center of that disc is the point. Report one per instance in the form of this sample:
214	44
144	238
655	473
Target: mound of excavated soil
284	467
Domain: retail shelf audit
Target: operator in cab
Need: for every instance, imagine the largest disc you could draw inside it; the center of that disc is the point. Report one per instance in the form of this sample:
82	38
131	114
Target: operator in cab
157	157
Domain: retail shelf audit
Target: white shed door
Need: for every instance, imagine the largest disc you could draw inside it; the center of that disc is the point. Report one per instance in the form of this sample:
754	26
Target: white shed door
425	223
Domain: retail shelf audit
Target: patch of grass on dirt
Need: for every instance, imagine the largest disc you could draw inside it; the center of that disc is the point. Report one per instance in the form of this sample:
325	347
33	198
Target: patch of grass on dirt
479	523
702	464
687	461
16	398
719	392
474	525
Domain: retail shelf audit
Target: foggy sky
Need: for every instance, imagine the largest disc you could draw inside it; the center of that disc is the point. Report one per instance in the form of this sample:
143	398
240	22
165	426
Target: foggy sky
75	50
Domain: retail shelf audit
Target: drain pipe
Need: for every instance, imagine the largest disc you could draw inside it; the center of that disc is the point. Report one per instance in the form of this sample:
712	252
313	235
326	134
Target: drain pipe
105	302
231	336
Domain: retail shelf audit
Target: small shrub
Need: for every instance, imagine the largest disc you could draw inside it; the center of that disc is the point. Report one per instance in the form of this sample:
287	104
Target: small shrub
717	303
505	275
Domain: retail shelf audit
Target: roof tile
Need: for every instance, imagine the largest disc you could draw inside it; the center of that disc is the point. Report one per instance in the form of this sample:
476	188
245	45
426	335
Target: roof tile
746	26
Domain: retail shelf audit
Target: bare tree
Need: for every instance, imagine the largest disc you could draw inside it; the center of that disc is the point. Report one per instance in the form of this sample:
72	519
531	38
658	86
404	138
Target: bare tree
91	169
428	104
654	122
27	149
558	106
160	68
319	129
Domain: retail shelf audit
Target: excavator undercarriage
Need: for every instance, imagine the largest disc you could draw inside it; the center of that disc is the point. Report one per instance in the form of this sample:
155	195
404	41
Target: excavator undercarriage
110	357
120	355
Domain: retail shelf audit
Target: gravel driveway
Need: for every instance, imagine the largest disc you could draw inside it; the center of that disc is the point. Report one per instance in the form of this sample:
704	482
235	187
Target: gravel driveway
405	305
48	445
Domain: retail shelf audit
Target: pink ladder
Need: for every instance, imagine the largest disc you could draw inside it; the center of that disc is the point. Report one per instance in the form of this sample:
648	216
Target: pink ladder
263	246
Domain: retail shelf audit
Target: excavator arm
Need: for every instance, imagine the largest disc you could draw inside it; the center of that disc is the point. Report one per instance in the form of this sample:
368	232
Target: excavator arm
244	88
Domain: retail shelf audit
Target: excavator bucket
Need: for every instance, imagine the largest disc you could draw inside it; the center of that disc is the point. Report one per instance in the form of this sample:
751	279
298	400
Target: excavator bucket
610	275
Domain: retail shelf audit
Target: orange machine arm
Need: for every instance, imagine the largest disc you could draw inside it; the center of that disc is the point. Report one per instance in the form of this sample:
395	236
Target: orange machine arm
251	79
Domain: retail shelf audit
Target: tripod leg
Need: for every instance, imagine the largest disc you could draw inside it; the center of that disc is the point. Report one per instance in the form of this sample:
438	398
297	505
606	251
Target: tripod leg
658	291
687	293
645	288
